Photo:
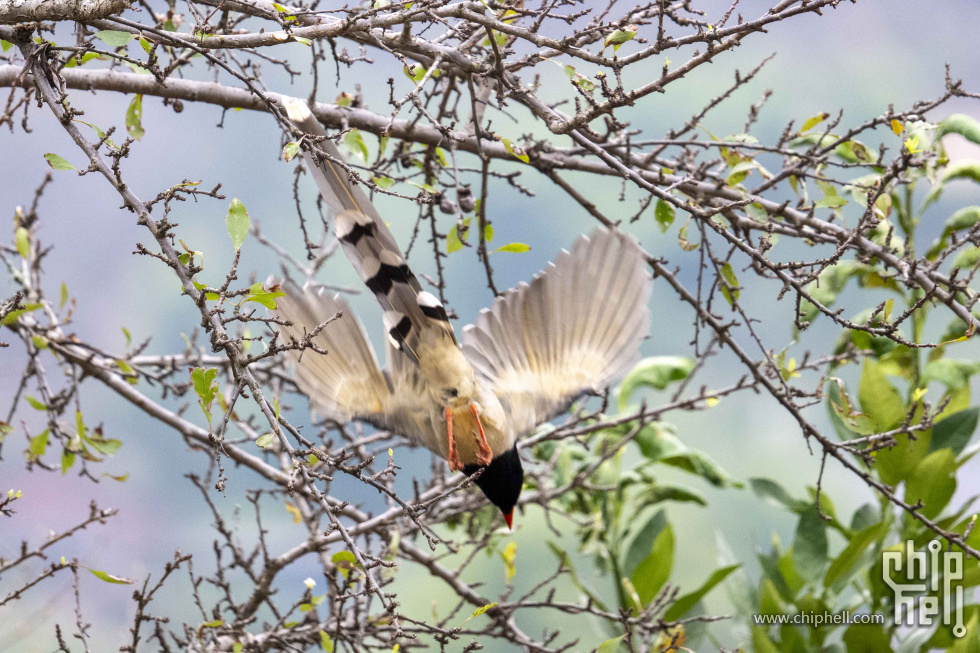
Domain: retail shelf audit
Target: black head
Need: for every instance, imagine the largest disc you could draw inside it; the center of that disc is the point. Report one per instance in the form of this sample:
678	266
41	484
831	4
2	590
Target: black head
501	481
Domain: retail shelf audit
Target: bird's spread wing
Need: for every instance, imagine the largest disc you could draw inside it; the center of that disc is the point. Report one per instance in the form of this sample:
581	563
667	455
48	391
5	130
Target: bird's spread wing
345	383
408	310
574	329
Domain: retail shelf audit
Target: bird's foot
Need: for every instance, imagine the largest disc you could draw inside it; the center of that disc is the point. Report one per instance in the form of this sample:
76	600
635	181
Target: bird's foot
455	464
485	456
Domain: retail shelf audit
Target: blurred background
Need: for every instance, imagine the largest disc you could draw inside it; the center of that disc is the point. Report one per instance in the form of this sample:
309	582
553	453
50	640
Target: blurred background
858	58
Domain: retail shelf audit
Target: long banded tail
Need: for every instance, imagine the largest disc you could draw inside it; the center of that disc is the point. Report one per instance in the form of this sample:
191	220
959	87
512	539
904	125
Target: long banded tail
408	310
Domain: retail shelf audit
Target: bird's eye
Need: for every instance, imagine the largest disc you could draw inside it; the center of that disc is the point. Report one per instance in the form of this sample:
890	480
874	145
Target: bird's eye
452	392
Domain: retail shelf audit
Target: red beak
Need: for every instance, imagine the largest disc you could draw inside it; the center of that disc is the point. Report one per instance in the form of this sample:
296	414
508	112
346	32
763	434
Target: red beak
509	518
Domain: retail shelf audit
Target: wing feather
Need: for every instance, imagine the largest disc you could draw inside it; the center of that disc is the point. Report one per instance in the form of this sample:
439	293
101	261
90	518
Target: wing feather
574	329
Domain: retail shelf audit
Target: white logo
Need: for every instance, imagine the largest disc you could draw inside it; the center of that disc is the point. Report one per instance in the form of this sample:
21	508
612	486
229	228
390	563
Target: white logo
921	608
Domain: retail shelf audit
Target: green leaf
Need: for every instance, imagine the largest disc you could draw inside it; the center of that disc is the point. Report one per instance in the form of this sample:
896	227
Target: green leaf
480	610
237	222
384	183
415	72
962	169
57	162
455	239
325	642
302	39
37	446
686	602
515	150
656	372
109	578
664	214
134	118
5	45
955	431
12	316
114	38
290	150
610	645
962	124
620	36
933	482
265	441
205	387
843	565
813	121
879	398
354	142
867	638
729	286
35	404
64	295
517	248
257	293
654	570
831	202
67	460
642	543
22	240
345	562
810	544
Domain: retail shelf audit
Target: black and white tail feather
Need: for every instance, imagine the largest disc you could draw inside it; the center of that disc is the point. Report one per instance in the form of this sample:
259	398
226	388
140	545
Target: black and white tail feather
573	330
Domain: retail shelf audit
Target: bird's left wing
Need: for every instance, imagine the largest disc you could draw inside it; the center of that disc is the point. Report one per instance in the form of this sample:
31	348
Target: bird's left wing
345	383
575	329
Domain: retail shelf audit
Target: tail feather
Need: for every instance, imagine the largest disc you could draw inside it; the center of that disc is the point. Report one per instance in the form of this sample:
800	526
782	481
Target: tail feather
370	246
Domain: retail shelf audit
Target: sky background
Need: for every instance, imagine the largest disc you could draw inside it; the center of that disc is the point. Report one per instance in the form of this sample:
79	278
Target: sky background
856	58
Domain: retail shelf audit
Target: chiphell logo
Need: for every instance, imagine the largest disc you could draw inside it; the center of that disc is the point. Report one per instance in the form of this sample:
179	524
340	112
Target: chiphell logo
928	587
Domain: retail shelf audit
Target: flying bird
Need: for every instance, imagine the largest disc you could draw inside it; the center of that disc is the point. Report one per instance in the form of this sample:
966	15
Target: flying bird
573	330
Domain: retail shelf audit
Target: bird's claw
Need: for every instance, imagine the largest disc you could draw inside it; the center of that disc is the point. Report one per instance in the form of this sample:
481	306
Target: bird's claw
485	455
455	464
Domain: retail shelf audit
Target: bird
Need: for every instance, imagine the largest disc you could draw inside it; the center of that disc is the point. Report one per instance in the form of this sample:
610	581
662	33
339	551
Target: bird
572	331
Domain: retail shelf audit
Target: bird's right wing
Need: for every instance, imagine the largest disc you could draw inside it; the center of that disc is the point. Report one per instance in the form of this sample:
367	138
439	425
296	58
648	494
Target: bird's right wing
346	383
575	329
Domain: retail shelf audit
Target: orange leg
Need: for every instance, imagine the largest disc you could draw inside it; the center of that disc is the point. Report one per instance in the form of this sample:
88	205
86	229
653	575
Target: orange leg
485	456
455	464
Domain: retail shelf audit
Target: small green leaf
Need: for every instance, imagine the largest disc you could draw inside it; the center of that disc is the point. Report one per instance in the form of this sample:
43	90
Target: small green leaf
67	460
355	143
237	222
619	37
345	562
480	610
265	441
290	150
813	121
134	118
610	645
114	38
206	388
516	150
384	183
831	202
37	446
5	45
664	214
35	404
22	240
64	296
257	293
57	162
325	642
729	285
517	248
455	239
146	45
302	39
109	578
